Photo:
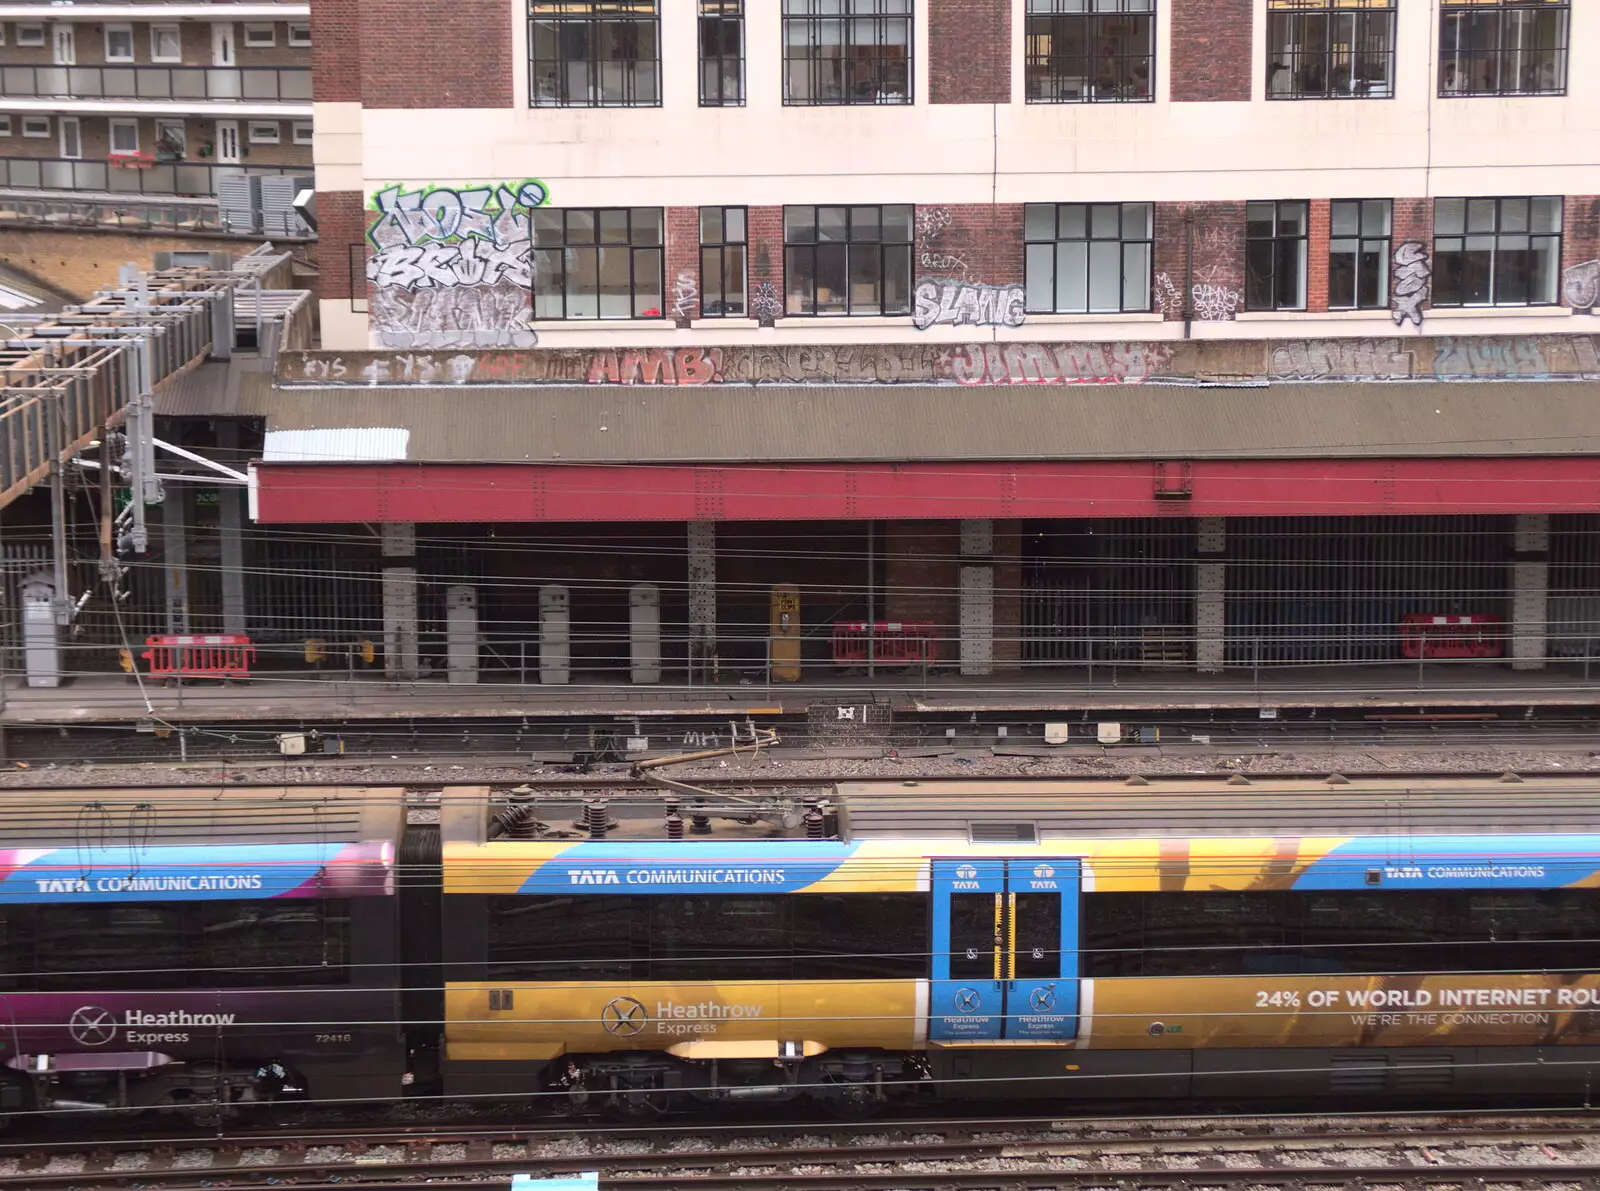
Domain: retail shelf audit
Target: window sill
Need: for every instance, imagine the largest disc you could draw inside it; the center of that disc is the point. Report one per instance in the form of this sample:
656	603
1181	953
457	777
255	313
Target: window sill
1471	312
634	324
1139	316
807	322
733	324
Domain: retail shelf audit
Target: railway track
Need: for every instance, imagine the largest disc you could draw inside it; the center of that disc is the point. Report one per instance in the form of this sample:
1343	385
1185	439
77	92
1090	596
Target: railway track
1530	1153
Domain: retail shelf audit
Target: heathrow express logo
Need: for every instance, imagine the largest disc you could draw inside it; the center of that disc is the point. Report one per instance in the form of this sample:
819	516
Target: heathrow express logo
92	1026
968	1000
1042	1000
624	1017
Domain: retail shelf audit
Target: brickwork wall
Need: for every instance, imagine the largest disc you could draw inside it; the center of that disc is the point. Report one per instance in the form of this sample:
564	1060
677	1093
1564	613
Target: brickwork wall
336	55
194	37
971	241
1581	241
683	264
94	133
81	261
765	231
922	577
1321	212
341	225
969	51
1211	50
464	62
1218	254
1413	220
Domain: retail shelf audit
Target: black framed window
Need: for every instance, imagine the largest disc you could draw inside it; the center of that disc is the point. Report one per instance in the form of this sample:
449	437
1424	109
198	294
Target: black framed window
847	260
721	53
1088	257
1330	49
594	53
1275	255
597	262
1496	251
1358	254
722	262
1503	47
846	51
1091	51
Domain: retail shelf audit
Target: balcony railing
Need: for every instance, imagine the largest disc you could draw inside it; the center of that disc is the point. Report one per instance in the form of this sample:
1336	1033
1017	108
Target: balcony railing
225	83
181	179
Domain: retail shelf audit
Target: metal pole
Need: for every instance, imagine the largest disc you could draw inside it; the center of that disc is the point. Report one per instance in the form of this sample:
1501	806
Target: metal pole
872	616
62	602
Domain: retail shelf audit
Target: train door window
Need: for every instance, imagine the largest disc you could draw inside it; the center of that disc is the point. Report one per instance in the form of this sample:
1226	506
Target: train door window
1036	935
975	937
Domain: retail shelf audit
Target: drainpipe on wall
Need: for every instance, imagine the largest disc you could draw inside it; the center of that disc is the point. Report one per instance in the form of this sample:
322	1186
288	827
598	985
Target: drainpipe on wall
1188	273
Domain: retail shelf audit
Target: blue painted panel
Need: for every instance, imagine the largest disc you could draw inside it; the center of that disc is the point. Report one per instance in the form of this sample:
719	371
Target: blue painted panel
1047	1008
1455	862
962	1010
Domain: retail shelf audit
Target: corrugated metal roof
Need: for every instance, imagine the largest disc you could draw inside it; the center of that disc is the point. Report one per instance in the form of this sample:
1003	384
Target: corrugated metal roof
613	424
236	388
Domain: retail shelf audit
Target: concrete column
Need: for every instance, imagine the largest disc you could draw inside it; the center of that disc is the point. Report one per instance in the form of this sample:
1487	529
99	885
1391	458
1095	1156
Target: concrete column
175	559
702	600
400	657
1210	595
977	596
230	536
1530	591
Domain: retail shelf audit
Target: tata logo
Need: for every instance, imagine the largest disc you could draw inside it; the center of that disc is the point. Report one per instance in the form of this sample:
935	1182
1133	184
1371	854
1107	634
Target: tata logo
92	1026
967	872
623	1017
592	876
1044	871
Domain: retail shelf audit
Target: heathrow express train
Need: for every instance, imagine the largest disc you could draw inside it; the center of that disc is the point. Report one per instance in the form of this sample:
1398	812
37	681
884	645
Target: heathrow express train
1099	940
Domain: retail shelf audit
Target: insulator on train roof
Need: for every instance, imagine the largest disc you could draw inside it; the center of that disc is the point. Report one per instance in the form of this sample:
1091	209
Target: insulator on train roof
674	824
816	825
699	821
595	817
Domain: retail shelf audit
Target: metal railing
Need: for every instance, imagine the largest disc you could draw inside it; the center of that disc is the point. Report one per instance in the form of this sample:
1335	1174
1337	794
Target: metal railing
225	83
187	179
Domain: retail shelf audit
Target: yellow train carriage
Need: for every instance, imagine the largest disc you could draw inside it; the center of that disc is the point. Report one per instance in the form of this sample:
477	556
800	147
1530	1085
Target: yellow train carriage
1179	939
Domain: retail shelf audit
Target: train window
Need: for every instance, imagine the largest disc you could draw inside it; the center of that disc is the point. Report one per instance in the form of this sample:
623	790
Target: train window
845	936
712	937
561	938
281	942
1316	933
1037	930
975	936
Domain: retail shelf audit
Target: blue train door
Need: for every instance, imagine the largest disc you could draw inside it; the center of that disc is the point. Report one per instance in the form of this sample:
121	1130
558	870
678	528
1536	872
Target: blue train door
1005	951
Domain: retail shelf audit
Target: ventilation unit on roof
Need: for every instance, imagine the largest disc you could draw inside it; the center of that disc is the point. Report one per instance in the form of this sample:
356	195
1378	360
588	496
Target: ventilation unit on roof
1003	833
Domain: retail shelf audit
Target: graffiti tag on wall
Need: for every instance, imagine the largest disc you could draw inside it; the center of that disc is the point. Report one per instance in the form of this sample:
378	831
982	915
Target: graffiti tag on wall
1412	273
967	304
1580	286
453	266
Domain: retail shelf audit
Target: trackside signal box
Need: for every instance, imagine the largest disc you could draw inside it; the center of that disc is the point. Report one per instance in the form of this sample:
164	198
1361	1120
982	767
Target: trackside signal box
785	646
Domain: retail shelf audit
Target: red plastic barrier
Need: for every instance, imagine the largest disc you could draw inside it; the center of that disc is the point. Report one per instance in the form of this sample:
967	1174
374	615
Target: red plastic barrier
1424	635
894	643
220	655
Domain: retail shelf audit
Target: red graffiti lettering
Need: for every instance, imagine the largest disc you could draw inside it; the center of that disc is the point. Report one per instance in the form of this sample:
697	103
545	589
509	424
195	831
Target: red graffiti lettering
696	366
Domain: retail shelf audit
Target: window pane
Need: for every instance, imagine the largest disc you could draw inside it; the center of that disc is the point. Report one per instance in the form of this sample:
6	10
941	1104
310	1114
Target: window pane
1513	215
710	225
833	224
580	227
1136	219
1374	271
1345	219
1480	215
1041	277
1074	222
547	283
1546	215
864	275
1260	219
1450	217
1342	258
1072	276
799	266
864	223
613	227
1258	292
1546	264
647	300
733	280
832	279
1105	276
1477	269
897	222
1291	219
1039	222
646	225
799	225
733	225
1376	215
1105	222
548	226
897	279
1136	277
583	283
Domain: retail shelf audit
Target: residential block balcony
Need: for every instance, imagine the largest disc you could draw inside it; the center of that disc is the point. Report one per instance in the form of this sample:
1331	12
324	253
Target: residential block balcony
281	84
